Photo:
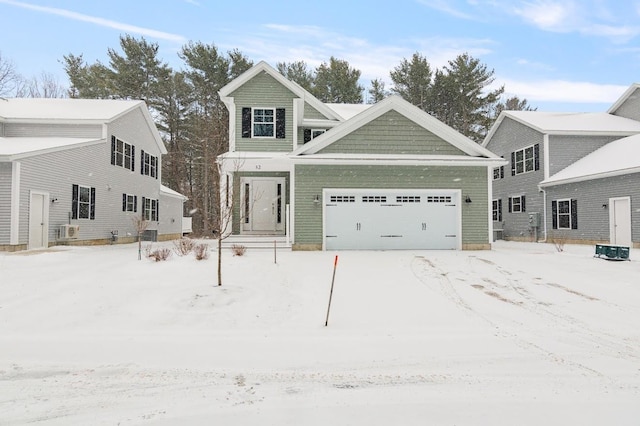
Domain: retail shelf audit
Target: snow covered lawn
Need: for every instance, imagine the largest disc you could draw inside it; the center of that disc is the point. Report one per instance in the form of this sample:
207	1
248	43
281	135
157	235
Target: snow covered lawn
521	334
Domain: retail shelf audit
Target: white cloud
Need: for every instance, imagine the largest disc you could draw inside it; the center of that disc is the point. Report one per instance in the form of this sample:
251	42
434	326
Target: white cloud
446	7
562	91
548	15
132	29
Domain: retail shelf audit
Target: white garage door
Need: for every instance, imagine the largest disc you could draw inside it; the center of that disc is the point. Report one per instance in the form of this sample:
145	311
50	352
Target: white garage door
391	219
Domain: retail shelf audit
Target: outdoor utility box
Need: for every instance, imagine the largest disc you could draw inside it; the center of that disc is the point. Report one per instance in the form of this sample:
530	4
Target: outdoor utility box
534	220
612	252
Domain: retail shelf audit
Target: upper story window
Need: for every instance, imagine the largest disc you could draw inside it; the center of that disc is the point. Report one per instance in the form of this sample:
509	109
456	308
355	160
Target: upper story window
148	165
122	153
310	134
525	160
83	202
265	123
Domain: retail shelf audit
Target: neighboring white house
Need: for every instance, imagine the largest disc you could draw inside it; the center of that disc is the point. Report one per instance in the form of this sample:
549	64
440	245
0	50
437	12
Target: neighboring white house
81	171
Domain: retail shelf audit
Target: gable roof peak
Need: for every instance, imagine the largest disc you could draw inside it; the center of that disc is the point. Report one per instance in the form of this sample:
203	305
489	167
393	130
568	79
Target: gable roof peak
623	98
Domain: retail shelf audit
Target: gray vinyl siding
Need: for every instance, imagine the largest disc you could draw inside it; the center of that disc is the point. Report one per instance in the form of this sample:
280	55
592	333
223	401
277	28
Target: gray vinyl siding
512	136
170	214
53	130
263	91
392	133
565	150
311	179
236	191
631	107
5	202
593	219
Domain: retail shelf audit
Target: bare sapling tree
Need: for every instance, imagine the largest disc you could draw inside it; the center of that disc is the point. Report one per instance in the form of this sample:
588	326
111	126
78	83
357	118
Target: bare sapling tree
140	224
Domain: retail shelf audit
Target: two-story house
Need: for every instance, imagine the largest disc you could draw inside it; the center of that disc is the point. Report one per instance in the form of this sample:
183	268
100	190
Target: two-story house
80	171
383	176
571	176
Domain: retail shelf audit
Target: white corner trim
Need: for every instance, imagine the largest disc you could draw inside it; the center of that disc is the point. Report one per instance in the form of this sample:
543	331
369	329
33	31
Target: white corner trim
545	146
15	203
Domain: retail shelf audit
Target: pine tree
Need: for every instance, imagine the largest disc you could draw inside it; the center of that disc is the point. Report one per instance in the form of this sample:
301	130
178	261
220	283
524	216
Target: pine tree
377	91
297	72
337	82
412	80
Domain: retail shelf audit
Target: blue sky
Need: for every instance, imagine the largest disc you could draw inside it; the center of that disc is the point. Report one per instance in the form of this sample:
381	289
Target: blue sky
561	55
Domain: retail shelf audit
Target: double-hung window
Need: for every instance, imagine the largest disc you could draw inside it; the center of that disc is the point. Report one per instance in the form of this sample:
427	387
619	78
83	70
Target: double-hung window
517	204
525	160
564	214
497	210
150	209
129	203
122	154
83	202
148	164
264	123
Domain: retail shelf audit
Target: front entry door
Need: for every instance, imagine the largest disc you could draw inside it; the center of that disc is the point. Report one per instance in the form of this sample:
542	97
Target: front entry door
620	221
263	205
38	220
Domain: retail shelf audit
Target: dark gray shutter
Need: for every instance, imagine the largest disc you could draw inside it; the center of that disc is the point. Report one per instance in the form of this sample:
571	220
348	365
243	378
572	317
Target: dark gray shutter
142	161
92	206
280	124
246	122
536	156
574	214
133	158
158	211
135	203
74	202
500	210
522	204
501	172
113	150
513	164
554	214
142	208
124	202
307	135
510	204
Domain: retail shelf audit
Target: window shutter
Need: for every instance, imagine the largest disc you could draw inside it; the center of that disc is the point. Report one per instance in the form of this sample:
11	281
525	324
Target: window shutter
113	150
92	206
246	122
142	208
510	204
124	202
513	164
135	203
158	211
500	210
133	158
142	161
554	214
536	156
307	135
522	204
280	123
501	172
74	202
574	214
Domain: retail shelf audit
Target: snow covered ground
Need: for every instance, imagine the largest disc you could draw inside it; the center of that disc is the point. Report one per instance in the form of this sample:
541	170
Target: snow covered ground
521	334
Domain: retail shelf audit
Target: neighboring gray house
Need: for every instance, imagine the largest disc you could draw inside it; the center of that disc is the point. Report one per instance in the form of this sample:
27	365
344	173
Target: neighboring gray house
79	171
383	176
572	176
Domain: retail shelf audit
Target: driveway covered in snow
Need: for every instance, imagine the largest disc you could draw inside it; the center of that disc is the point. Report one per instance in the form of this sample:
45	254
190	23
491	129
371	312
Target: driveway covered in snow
521	334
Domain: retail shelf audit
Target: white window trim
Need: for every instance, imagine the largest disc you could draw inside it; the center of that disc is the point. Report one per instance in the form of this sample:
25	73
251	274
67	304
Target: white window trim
519	197
524	160
558	214
124	148
87	203
253	122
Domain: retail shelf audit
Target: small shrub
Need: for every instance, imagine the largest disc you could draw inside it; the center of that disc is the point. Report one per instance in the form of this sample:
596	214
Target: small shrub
238	250
160	254
201	251
184	246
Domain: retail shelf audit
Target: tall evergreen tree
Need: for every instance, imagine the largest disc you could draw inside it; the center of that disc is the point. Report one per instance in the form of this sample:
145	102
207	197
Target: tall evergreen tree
513	103
337	82
298	72
377	91
412	80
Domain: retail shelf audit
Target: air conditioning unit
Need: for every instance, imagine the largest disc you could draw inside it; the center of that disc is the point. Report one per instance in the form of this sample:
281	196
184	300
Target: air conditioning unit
69	231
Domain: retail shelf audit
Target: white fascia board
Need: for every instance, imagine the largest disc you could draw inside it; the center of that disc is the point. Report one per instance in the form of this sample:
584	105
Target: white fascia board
577	179
320	124
253	162
399	161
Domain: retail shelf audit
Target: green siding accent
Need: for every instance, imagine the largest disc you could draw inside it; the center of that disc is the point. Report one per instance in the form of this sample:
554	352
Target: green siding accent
392	133
264	91
312	179
236	194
